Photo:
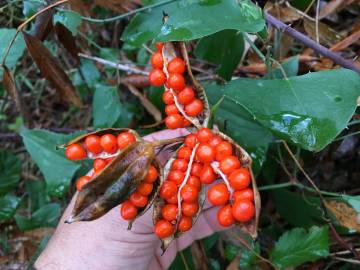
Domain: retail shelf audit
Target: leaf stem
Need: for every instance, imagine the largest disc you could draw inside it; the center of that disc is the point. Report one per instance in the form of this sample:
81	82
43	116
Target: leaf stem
125	15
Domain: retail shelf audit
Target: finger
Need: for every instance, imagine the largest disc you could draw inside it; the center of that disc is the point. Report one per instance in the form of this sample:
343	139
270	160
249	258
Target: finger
206	225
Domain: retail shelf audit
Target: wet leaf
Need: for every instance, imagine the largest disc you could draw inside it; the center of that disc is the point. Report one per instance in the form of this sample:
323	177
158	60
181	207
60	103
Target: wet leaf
224	48
297	246
346	215
68	18
51	70
10	169
211	17
16	51
57	170
46	216
298	109
8	206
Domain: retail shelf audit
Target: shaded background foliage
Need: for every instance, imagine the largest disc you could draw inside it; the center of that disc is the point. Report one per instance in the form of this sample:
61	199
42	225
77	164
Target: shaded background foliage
264	87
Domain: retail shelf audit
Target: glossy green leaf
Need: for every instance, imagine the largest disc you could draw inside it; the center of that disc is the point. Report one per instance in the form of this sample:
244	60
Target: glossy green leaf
189	20
108	110
309	110
183	261
231	251
16	50
8	206
46	216
10	169
57	170
70	19
90	72
236	122
298	246
224	48
209	242
30	7
287	69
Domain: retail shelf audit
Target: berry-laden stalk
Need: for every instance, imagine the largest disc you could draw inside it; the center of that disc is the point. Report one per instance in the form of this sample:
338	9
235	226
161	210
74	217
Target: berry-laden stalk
185	98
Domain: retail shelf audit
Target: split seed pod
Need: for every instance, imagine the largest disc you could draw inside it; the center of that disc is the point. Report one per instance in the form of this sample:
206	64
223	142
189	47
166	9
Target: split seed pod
171	50
118	179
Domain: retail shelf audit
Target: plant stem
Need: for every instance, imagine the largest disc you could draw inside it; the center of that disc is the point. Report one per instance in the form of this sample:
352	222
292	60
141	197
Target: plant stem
311	43
123	16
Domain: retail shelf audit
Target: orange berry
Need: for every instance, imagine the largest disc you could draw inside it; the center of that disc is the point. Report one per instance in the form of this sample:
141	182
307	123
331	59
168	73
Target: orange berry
75	152
157	77
243	210
125	139
163	228
225	217
145	188
108	142
128	211
157	60
138	200
229	164
152	175
92	143
194	108
185	224
174	121
176	65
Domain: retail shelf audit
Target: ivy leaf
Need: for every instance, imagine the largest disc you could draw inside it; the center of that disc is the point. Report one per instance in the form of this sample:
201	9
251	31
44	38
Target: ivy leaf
189	20
10	169
298	109
224	48
8	206
56	168
298	246
16	50
46	216
70	19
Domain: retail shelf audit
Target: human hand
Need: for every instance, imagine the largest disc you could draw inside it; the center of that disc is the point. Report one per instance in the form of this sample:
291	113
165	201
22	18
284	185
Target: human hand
106	243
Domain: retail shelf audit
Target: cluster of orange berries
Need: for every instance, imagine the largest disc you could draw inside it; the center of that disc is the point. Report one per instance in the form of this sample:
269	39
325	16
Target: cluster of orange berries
139	198
186	97
211	150
94	145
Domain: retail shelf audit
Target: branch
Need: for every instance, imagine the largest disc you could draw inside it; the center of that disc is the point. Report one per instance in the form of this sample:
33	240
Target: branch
311	43
118	66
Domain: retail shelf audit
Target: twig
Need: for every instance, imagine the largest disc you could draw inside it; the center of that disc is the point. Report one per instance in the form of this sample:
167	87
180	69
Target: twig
311	43
118	66
123	16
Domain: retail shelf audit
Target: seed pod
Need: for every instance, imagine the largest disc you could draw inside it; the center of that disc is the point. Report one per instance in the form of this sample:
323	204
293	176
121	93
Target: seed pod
171	50
118	181
160	202
103	154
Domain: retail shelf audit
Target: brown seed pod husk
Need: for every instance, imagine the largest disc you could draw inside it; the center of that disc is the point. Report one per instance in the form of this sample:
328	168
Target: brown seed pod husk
114	131
250	227
178	49
114	184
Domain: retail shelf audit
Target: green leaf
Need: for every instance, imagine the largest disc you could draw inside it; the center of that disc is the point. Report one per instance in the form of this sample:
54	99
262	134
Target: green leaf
297	209
10	169
46	216
309	110
56	168
30	7
209	242
37	194
231	251
298	246
8	206
107	108
236	122
189	20
183	261
248	259
289	67
90	72
224	48
70	19
16	50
